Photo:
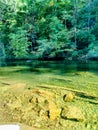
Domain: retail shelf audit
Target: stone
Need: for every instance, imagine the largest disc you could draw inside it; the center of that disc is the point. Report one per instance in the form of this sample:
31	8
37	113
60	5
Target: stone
33	100
45	94
68	97
54	111
72	113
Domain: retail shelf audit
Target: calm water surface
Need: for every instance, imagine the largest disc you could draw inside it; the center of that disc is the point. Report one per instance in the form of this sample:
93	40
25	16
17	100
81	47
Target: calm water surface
78	75
59	65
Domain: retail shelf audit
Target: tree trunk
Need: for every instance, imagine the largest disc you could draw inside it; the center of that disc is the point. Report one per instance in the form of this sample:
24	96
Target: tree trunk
75	22
89	13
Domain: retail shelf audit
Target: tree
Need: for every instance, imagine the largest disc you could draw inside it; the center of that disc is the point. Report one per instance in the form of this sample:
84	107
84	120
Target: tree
47	28
19	43
75	22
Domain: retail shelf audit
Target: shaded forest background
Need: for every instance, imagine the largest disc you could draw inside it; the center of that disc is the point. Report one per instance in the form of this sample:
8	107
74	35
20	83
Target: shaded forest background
49	29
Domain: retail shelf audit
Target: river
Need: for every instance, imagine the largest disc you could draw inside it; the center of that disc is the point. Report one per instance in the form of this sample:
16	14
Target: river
81	77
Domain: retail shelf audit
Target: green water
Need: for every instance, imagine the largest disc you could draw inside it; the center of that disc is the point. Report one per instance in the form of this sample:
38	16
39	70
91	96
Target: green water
77	75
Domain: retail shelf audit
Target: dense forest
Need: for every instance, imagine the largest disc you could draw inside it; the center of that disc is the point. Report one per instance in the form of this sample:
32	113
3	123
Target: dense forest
49	29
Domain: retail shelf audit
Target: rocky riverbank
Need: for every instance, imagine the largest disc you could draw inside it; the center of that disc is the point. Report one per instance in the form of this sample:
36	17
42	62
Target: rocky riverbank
48	107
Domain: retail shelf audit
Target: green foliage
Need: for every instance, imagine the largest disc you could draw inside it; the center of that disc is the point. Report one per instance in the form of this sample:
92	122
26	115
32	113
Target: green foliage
19	43
95	29
2	50
93	50
56	41
84	39
48	28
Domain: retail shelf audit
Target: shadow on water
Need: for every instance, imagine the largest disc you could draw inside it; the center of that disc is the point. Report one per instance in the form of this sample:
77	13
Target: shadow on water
56	67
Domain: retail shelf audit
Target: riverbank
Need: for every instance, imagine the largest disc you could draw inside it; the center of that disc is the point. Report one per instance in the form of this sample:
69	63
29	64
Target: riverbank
47	107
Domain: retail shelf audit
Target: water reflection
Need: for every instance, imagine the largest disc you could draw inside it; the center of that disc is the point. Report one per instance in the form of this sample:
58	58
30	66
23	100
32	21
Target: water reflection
60	66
